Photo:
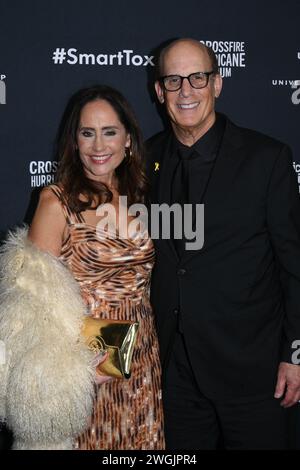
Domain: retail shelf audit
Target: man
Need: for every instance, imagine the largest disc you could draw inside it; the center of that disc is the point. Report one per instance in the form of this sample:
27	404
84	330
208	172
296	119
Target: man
228	314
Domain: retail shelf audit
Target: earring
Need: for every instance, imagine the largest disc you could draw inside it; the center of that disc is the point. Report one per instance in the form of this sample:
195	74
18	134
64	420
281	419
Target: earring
128	154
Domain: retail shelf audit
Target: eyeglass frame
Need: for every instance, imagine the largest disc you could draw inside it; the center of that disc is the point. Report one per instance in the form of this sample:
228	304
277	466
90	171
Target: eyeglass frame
207	74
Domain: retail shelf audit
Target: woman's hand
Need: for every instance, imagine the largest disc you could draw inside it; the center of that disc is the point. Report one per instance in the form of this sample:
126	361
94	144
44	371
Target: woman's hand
98	359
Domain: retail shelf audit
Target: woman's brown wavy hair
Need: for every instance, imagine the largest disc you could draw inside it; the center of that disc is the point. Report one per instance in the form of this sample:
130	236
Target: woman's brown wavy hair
130	173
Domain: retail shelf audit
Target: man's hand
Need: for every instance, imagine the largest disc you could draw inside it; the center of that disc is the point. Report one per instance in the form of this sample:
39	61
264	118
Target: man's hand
288	381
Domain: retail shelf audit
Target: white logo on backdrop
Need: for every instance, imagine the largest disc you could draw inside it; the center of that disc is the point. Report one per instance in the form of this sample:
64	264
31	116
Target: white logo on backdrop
293	84
126	57
230	55
42	173
2	89
297	170
296	92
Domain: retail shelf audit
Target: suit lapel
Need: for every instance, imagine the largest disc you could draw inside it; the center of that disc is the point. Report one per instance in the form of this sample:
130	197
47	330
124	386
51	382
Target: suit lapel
165	191
157	167
160	190
226	165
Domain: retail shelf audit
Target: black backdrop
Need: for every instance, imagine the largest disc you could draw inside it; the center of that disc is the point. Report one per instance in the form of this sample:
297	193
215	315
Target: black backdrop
257	91
112	42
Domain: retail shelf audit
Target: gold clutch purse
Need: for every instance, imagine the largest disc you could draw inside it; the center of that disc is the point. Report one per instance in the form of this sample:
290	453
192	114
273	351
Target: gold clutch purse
117	338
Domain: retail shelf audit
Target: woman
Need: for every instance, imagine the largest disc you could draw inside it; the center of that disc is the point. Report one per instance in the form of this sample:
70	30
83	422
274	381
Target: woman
100	154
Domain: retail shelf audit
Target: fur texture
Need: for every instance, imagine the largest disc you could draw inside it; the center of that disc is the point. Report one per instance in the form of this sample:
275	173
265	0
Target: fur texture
47	382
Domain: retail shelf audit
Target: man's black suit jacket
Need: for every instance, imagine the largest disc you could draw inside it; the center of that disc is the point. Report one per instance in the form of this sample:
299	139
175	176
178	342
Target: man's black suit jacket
239	296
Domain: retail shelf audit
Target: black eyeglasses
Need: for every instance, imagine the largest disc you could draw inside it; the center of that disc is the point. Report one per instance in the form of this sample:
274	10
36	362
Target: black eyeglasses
196	80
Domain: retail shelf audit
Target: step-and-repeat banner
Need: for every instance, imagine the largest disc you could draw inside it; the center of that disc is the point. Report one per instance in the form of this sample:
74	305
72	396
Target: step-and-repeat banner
48	50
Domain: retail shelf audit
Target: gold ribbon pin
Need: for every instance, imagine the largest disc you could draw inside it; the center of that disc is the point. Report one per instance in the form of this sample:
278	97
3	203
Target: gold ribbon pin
156	167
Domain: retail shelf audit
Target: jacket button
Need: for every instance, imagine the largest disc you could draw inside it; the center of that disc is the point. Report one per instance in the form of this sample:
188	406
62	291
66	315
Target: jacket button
175	311
181	272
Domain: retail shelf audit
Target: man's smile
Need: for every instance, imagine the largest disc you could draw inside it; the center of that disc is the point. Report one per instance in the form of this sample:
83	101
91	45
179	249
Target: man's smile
188	105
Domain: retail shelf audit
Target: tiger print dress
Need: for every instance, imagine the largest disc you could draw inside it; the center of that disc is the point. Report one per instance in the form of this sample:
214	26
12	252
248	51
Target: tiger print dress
114	277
